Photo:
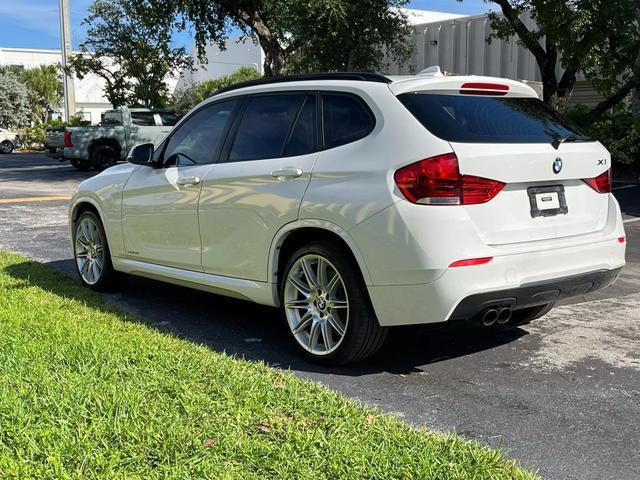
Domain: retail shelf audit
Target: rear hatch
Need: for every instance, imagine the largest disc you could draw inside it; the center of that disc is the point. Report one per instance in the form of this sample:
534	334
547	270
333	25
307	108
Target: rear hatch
548	167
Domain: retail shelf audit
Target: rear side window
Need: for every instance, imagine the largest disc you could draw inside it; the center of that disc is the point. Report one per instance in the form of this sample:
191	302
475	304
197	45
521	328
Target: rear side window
265	127
143	119
345	119
478	119
169	119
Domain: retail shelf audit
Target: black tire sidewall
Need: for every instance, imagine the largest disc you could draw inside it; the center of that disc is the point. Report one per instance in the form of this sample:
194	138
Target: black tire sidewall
361	312
108	274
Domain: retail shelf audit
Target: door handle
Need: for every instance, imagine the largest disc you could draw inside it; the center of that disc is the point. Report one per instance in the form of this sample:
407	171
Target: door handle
287	172
187	181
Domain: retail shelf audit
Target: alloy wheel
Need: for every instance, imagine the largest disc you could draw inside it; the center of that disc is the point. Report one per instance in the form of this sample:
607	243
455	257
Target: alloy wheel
6	147
89	251
316	304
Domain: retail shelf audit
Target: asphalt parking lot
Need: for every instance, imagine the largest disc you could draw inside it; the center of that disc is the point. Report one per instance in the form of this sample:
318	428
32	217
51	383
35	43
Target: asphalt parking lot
561	395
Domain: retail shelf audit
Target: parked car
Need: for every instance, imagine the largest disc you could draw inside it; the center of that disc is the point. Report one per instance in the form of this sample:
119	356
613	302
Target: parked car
103	145
355	203
9	141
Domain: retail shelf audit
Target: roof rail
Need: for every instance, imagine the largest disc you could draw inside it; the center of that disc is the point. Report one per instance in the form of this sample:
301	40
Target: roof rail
355	76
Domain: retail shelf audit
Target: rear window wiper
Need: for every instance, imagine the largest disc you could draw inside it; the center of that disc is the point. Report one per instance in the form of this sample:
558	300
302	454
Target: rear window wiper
572	137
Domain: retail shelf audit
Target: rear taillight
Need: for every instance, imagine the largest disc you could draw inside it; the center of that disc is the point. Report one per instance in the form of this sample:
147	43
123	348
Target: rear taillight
437	181
601	183
67	140
471	262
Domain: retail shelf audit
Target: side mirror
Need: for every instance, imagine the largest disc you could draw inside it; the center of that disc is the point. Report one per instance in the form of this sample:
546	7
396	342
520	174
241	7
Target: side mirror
141	154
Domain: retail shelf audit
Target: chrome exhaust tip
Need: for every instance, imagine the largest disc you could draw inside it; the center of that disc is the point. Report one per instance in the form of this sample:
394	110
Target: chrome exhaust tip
504	315
489	317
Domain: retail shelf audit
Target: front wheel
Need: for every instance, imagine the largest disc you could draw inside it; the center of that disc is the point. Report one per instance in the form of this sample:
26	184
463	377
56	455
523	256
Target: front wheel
6	147
91	252
327	308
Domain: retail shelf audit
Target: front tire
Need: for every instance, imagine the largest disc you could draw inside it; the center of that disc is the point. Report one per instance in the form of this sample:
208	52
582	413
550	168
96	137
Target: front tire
6	147
326	306
91	253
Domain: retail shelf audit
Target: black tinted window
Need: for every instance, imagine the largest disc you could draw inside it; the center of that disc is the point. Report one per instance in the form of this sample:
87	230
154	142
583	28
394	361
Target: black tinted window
198	139
169	119
457	118
345	119
265	126
144	119
303	136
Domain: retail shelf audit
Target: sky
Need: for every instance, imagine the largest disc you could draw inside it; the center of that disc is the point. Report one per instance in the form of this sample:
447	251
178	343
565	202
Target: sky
36	24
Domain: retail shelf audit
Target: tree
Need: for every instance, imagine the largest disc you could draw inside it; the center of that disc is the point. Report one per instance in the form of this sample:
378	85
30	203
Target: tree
185	100
598	37
45	89
14	101
301	35
131	50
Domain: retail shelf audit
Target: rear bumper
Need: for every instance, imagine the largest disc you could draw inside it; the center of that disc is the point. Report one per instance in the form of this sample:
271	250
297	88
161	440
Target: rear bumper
536	293
520	280
54	152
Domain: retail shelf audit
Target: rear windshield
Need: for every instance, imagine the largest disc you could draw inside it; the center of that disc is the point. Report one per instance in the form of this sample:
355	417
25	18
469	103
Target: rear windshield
458	118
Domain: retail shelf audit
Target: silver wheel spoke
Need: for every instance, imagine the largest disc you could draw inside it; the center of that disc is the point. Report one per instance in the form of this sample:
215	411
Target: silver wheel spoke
301	303
339	304
303	289
308	273
313	334
304	322
332	284
326	336
321	272
336	324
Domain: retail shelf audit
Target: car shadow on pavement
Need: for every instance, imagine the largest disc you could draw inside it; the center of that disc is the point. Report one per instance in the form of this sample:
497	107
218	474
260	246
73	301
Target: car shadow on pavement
256	332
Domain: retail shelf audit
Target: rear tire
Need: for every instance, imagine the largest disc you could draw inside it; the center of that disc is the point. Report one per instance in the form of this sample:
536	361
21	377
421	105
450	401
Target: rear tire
6	147
92	255
527	315
81	165
103	156
329	315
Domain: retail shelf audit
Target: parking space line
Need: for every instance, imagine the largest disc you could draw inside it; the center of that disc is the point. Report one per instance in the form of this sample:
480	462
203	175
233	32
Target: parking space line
631	220
625	186
35	199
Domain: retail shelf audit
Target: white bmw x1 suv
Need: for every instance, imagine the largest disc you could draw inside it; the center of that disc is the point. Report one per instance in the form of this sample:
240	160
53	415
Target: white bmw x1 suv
355	203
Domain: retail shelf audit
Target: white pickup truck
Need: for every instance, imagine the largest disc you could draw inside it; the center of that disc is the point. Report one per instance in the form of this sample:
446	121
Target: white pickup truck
103	145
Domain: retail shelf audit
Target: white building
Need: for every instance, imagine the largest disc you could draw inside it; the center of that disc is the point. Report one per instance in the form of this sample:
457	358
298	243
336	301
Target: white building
90	100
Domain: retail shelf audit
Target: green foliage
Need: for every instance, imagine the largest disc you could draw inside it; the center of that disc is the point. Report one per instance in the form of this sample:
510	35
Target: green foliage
33	137
185	100
346	35
301	35
600	38
14	101
131	49
619	132
87	391
45	90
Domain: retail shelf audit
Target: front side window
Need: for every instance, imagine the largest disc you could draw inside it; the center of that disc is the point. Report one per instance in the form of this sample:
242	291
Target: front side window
198	140
345	119
481	119
265	127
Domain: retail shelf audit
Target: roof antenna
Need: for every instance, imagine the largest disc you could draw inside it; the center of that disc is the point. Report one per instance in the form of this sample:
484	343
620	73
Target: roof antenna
433	71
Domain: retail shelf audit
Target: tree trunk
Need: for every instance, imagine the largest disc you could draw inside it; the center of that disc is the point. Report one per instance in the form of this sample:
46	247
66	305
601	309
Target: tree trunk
274	53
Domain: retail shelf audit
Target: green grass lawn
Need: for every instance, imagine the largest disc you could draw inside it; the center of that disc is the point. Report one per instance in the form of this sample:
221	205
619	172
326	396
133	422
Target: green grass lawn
87	391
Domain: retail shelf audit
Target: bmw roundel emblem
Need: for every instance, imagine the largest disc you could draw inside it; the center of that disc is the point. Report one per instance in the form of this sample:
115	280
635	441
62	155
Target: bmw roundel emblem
557	165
